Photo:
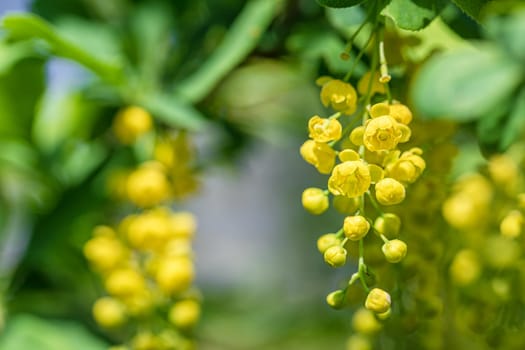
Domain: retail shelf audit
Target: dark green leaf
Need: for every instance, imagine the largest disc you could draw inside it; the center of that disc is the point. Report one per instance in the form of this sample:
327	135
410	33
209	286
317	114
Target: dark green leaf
339	3
515	126
414	14
466	84
471	7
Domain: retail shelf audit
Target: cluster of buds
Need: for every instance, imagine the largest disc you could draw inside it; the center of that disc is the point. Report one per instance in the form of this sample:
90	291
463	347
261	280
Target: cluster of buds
146	261
367	170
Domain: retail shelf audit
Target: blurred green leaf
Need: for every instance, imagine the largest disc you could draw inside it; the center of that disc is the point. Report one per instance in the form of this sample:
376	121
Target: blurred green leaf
173	111
515	126
241	39
346	20
28	26
465	84
339	3
26	332
414	14
509	31
471	7
11	53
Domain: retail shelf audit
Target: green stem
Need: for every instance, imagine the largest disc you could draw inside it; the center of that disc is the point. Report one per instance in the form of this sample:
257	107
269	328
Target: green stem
374	203
362	266
358	57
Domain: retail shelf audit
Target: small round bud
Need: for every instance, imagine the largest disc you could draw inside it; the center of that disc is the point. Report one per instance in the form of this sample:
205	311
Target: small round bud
378	301
355	227
326	241
394	250
465	267
130	123
388	225
109	312
356	136
336	299
390	191
358	342
125	282
335	256
511	224
364	321
315	201
346	205
185	314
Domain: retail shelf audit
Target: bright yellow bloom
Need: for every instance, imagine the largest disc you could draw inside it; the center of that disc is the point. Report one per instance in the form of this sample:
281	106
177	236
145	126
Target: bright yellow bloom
148	185
341	96
109	312
130	123
324	129
315	201
364	321
390	191
394	250
382	133
350	179
512	224
364	82
355	227
174	274
401	113
125	282
335	256
326	241
185	314
465	267
320	155
378	301
408	167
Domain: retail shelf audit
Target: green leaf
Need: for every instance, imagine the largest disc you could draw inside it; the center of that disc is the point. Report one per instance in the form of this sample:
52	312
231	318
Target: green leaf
339	3
173	111
465	84
27	26
509	31
515	126
29	332
346	20
241	38
11	53
471	7
414	14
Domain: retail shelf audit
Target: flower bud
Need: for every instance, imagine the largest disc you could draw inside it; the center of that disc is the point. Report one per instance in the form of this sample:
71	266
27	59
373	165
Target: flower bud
109	312
336	299
346	205
358	342
356	136
335	256
378	301
326	241
130	123
355	227
364	321
385	315
388	225
394	250
185	314
511	224
465	267
315	201
390	191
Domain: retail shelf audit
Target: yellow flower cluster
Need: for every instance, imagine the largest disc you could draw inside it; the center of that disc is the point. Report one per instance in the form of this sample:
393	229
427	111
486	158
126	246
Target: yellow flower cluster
146	262
367	171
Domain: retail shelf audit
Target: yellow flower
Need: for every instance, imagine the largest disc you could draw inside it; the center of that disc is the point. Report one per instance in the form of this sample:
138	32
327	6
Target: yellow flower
320	155
401	113
149	230
183	224
465	267
148	185
408	167
185	313
364	321
335	256
315	201
511	224
125	282
324	129
394	250
326	241
389	191
105	252
364	82
350	179
341	96
109	312
130	123
382	133
504	171
356	136
174	274
355	227
378	301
